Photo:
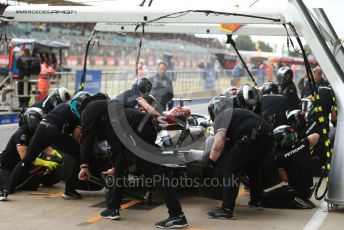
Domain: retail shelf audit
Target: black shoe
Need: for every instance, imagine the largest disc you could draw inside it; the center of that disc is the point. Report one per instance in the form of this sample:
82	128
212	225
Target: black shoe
173	222
255	205
3	195
221	214
71	195
303	204
111	214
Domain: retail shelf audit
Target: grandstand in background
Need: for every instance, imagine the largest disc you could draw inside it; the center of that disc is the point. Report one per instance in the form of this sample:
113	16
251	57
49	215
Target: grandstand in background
116	50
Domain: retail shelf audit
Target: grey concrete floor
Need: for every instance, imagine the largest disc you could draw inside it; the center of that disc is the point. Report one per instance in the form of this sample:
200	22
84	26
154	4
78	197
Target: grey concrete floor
45	209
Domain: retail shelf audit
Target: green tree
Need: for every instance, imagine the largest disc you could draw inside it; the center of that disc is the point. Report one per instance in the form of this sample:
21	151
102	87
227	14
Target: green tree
245	43
264	47
298	53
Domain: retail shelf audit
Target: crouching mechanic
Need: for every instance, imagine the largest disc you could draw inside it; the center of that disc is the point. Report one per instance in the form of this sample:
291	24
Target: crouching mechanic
95	119
295	167
242	142
16	150
60	129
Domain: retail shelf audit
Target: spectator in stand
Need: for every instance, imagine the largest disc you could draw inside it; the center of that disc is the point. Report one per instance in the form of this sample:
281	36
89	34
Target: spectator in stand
237	72
262	73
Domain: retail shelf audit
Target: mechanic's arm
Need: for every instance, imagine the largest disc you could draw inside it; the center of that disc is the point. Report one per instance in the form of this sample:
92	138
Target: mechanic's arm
313	139
22	150
219	145
147	107
49	151
77	133
86	147
334	116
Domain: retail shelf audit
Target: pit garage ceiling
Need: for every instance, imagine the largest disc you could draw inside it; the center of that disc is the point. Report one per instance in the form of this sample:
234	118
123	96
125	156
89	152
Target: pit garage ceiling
53	2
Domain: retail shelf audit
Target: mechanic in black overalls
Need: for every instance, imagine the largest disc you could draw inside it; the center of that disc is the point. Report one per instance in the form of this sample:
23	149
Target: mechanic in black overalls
274	105
16	150
60	129
328	104
248	97
294	161
242	142
287	88
95	118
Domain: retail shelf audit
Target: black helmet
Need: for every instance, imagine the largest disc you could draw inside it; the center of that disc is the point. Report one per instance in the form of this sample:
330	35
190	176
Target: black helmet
32	117
297	120
58	96
248	97
285	137
268	88
219	104
284	76
142	85
230	91
76	102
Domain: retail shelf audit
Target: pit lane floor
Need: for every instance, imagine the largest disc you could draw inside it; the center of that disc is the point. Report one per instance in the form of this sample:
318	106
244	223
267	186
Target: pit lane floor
45	209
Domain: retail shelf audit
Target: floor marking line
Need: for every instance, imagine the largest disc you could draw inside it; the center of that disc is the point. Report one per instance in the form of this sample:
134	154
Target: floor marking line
47	194
129	204
97	218
94	219
318	218
54	195
242	191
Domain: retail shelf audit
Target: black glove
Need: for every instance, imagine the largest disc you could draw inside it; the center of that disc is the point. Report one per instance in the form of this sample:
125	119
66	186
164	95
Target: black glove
207	170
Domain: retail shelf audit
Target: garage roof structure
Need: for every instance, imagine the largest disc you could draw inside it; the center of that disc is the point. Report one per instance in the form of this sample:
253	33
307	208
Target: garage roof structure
53	2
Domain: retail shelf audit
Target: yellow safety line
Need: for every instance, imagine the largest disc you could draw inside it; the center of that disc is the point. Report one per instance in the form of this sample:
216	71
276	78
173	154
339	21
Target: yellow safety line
94	219
54	195
97	218
47	194
242	191
129	204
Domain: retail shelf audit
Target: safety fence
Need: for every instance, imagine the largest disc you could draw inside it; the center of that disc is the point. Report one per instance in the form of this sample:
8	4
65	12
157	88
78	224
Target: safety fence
184	82
187	83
